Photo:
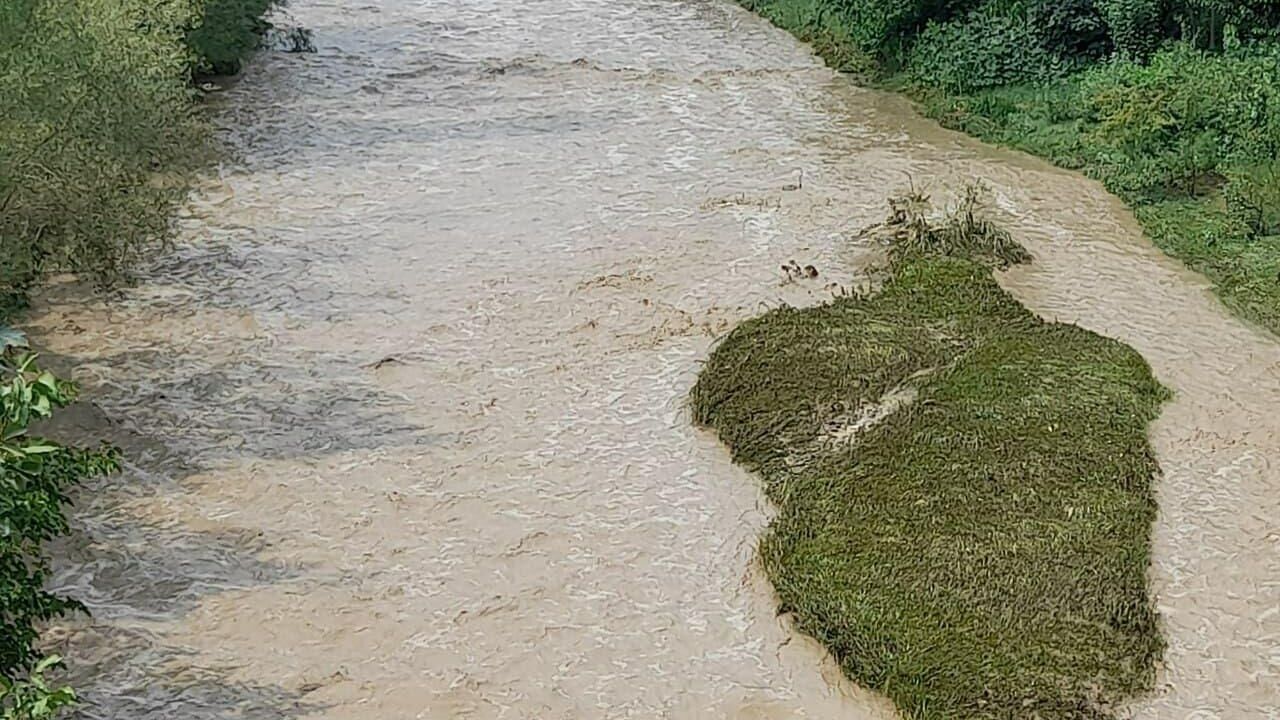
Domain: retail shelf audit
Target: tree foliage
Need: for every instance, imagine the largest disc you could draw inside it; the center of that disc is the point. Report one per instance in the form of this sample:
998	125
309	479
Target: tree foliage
99	126
1074	30
33	698
1176	124
1136	27
1006	41
889	27
35	476
984	48
226	33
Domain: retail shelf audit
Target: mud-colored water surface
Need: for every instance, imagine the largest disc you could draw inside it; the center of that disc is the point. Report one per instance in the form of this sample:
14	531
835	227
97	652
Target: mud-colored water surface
405	406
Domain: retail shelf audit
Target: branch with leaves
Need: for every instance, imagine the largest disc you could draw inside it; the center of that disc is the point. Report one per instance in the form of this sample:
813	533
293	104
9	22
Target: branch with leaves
33	698
35	477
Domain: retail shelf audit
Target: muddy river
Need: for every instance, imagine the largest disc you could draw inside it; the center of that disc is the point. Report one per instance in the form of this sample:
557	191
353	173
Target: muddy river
405	405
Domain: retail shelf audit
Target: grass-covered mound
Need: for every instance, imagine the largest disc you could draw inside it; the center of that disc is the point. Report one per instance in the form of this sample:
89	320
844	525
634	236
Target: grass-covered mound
964	491
1173	104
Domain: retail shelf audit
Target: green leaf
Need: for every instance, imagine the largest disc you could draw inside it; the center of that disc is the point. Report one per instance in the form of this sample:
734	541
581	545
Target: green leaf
48	381
53	661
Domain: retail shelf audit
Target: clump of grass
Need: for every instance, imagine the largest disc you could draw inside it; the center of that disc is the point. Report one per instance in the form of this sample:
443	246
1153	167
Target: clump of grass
965	231
981	551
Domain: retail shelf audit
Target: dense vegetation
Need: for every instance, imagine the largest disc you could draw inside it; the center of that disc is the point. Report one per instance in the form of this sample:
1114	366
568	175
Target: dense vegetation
99	126
1173	104
35	476
226	33
99	132
964	490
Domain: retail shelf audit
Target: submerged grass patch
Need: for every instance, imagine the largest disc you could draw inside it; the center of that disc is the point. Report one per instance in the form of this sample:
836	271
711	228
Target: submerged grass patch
981	551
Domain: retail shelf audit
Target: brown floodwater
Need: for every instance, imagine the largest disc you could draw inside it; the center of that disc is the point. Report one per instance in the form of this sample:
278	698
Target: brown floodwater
405	405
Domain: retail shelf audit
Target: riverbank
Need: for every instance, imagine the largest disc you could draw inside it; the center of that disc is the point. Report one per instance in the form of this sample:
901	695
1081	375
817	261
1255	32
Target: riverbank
964	489
1186	132
100	135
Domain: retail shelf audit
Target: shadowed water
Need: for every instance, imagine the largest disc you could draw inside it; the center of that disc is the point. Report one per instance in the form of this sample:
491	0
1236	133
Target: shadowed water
406	401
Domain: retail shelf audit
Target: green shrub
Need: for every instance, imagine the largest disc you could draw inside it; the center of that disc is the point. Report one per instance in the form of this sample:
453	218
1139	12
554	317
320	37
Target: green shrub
227	32
1072	29
989	47
35	475
32	698
1136	27
881	28
95	102
98	127
829	32
1171	126
1218	24
1252	197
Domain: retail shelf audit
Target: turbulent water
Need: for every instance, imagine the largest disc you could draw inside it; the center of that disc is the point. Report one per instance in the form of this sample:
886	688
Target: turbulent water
405	406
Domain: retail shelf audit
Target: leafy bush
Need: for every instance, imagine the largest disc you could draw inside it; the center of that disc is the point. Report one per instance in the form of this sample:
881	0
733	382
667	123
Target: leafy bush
226	33
33	698
1217	24
882	30
830	32
35	475
1136	27
96	101
887	28
1074	30
1252	198
986	48
1171	125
